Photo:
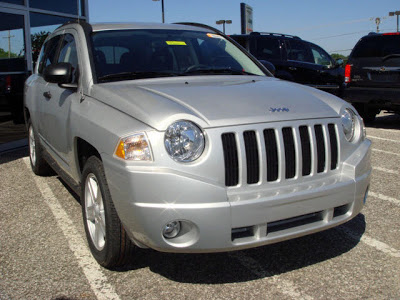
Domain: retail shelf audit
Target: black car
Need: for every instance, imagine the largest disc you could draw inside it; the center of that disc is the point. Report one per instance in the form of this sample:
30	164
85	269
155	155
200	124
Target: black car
372	75
295	59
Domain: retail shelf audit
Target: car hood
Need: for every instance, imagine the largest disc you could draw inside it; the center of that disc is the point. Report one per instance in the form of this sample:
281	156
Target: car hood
215	101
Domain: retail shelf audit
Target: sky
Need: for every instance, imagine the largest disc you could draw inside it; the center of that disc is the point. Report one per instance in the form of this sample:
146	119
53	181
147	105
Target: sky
334	25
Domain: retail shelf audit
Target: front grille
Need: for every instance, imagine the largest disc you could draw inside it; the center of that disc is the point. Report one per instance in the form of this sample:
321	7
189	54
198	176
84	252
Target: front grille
284	153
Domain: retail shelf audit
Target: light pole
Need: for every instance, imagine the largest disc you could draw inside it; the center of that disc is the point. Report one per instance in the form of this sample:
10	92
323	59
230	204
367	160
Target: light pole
395	13
162	10
219	22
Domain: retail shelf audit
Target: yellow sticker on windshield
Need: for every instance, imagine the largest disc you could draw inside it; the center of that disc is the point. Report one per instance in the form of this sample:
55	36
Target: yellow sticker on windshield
176	43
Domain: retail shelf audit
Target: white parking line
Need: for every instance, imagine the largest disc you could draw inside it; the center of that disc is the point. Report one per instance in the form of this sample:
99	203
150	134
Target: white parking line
386	198
384	130
386	170
378	245
382	139
386	152
285	286
97	280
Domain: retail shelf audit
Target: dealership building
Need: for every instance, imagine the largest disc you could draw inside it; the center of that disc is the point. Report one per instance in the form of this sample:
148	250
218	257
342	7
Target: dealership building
25	23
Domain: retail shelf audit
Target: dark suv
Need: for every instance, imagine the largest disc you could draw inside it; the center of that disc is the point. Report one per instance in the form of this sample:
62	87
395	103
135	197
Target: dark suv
295	59
372	75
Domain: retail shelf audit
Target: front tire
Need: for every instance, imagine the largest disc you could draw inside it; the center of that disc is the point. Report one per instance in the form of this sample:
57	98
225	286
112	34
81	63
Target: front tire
107	238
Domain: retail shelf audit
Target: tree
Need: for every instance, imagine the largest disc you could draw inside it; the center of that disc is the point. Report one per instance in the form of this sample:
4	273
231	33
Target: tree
337	56
4	54
37	41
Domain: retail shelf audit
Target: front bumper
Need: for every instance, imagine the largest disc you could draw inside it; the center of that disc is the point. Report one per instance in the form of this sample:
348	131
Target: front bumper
214	219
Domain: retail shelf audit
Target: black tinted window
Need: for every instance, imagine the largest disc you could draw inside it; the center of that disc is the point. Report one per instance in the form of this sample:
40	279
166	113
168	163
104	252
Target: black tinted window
268	49
65	6
48	56
377	46
297	50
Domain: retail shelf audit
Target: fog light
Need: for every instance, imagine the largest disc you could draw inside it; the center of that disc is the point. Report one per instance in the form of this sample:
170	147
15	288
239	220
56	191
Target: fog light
171	229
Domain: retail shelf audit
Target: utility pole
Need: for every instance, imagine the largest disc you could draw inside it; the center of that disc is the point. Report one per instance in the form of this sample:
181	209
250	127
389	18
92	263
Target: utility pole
395	13
9	42
223	22
162	10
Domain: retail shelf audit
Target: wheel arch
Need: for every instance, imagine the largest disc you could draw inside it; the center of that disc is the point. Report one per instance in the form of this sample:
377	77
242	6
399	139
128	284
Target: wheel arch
83	151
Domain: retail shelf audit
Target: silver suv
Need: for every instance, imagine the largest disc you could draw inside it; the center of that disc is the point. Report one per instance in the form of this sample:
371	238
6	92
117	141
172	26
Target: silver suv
178	140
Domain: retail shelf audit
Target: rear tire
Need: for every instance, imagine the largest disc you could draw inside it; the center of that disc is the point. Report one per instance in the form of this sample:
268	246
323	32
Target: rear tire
107	238
38	163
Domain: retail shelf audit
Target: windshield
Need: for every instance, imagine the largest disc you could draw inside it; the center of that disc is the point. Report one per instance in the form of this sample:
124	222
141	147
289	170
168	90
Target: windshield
149	53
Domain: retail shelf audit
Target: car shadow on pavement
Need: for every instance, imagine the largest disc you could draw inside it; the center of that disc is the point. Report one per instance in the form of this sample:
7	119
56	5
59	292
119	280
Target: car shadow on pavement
251	264
9	156
386	121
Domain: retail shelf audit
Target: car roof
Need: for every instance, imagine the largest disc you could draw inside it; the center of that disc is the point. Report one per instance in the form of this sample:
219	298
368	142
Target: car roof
134	25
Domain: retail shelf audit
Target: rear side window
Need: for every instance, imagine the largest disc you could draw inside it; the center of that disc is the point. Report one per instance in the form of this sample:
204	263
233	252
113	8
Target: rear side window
377	46
268	49
48	55
299	51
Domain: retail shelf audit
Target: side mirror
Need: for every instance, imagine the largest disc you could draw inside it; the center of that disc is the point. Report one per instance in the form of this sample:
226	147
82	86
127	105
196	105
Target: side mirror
270	67
60	73
339	63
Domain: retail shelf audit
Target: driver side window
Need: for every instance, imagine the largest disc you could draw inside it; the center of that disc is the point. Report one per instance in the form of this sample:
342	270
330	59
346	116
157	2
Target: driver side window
320	56
49	52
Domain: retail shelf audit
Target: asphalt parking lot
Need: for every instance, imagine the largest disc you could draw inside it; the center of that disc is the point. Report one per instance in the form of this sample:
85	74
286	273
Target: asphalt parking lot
43	252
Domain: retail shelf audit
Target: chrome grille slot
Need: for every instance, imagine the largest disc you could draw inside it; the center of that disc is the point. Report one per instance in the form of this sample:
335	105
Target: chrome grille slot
252	159
290	152
306	150
319	137
230	159
271	149
334	146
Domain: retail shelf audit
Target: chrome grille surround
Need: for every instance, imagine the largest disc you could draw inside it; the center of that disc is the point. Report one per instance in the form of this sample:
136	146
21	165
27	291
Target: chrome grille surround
284	151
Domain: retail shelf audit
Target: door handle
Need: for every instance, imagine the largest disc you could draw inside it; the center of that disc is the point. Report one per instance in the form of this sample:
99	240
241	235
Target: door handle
292	68
47	95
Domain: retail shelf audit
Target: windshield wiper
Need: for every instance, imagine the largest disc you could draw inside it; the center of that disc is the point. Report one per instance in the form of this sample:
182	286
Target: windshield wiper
223	71
135	75
390	56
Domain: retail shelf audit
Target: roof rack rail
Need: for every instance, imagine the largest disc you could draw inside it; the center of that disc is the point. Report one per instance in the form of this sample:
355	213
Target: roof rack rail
276	34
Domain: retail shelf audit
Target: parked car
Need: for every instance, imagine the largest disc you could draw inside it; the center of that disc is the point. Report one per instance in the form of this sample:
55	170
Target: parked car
179	141
372	75
12	77
295	59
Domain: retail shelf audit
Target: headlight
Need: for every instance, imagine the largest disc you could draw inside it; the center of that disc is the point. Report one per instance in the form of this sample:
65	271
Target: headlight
134	147
348	124
184	141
